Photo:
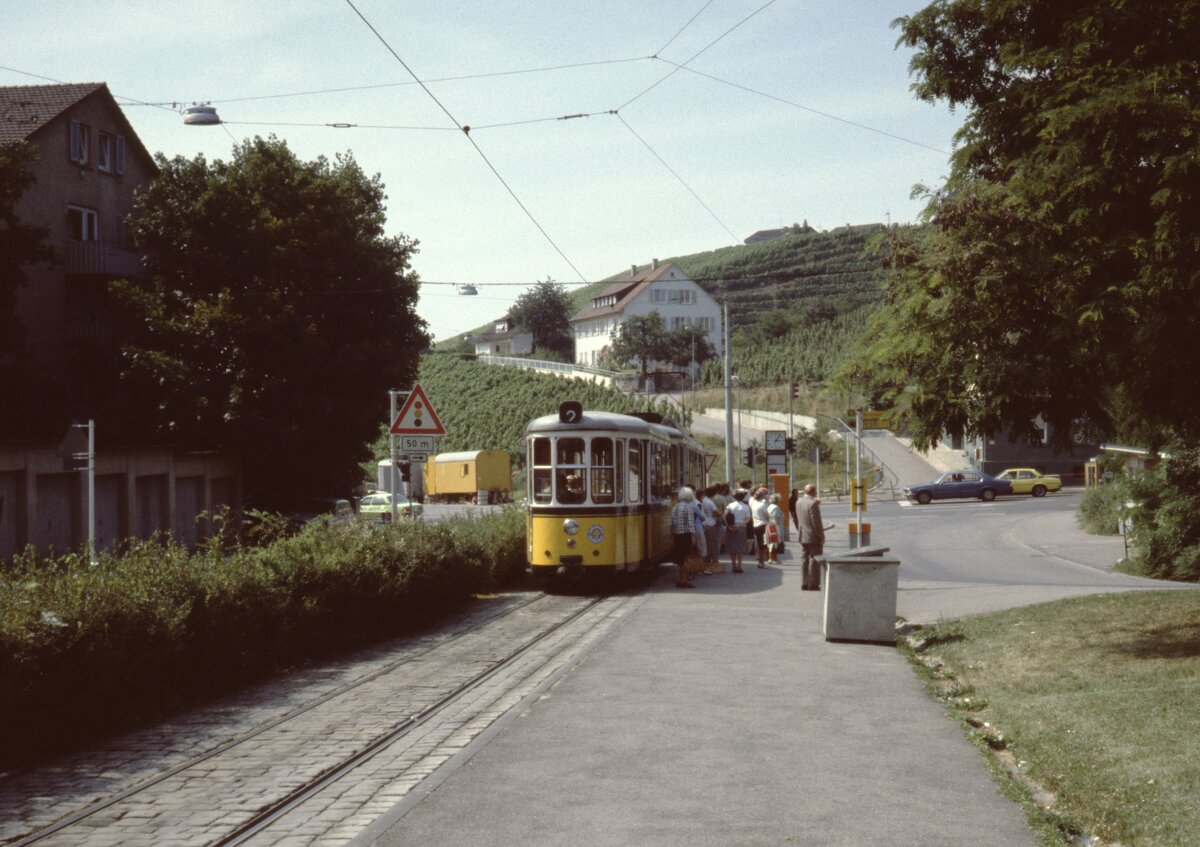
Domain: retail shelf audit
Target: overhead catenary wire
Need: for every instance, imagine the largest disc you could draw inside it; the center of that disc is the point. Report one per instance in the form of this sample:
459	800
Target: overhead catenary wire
682	182
401	83
467	133
829	115
696	55
682	28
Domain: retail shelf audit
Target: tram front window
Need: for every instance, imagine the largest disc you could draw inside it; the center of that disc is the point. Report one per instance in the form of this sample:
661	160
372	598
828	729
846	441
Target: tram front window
602	470
570	478
570	485
540	459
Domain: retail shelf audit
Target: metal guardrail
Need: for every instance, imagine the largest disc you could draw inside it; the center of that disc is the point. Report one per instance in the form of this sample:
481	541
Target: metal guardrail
565	368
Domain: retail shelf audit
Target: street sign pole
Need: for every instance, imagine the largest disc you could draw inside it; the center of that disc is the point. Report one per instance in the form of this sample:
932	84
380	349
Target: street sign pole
91	484
394	470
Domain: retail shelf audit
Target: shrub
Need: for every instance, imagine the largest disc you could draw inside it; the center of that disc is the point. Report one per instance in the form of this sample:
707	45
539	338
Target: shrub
1166	522
86	649
1101	507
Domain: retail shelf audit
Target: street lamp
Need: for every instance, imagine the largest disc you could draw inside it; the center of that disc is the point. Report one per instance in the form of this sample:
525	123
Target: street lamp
201	114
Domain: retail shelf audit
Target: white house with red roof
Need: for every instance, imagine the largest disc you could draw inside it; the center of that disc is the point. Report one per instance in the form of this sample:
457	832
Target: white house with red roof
662	288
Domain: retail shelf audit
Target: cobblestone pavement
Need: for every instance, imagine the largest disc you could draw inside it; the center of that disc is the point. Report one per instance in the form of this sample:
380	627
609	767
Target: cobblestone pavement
190	780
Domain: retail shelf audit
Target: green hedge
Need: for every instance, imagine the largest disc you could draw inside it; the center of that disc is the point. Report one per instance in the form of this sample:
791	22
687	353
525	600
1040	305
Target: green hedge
89	649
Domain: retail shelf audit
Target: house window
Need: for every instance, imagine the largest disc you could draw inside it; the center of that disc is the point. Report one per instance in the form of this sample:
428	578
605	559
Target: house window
706	324
676	323
82	224
685	296
81	142
658	295
104	152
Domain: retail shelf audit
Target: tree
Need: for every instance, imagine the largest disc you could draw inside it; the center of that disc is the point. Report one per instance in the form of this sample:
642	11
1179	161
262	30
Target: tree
647	339
1058	275
21	244
274	315
644	338
545	310
687	344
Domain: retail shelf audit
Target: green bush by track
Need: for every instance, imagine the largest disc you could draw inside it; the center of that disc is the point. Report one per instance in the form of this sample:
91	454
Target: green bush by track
87	649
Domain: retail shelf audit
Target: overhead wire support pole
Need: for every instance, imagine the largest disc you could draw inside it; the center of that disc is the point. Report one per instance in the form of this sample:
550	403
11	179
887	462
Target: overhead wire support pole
728	398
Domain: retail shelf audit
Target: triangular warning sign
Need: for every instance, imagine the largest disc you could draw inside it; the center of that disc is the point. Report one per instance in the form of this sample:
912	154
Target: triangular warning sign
417	417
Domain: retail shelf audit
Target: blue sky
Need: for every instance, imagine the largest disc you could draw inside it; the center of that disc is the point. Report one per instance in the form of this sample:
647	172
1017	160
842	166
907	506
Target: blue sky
791	113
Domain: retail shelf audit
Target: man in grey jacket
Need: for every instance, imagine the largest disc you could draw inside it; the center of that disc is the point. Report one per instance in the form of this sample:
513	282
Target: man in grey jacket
812	537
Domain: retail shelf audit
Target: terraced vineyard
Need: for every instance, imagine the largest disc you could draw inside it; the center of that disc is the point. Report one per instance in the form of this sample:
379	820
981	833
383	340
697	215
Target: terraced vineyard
486	408
796	303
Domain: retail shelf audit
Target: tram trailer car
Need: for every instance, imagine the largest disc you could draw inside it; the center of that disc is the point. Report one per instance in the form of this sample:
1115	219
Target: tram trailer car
601	487
463	476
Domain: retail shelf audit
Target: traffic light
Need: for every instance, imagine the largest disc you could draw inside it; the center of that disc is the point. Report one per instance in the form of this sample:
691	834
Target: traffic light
789	444
795	388
405	472
749	457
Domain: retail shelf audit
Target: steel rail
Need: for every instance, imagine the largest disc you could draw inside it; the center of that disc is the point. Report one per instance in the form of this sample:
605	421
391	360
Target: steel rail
295	798
162	776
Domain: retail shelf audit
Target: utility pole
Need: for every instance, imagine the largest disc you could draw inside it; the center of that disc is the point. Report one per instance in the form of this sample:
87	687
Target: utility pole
394	470
728	397
791	460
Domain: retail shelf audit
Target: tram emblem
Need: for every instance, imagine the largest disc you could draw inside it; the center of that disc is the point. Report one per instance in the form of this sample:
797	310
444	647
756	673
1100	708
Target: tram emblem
595	533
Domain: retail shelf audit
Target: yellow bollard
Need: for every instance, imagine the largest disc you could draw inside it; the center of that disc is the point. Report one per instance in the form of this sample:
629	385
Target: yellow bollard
866	534
853	534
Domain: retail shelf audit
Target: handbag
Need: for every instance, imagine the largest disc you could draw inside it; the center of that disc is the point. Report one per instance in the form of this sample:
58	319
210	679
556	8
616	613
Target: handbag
772	534
730	520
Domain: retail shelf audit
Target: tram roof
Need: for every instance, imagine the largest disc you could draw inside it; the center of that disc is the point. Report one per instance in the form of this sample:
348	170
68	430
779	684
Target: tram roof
599	421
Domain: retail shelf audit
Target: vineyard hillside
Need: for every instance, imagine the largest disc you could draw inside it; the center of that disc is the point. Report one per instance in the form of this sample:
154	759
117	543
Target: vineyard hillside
484	407
796	303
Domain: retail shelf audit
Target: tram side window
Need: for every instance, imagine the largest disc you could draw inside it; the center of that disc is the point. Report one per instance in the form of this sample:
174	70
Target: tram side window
635	472
658	472
571	472
620	472
602	470
540	480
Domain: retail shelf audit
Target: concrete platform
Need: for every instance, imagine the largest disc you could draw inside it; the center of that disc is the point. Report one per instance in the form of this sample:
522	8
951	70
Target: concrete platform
721	716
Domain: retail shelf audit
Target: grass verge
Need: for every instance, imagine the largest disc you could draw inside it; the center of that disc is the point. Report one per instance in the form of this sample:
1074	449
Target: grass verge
1089	707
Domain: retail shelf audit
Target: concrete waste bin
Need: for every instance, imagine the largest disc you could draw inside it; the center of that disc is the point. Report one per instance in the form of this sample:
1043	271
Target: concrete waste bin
860	596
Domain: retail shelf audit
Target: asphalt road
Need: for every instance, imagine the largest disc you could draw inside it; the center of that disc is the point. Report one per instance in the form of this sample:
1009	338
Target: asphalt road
962	557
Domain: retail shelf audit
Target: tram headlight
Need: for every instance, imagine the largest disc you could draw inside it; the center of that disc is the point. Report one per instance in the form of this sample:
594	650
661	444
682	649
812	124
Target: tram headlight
570	526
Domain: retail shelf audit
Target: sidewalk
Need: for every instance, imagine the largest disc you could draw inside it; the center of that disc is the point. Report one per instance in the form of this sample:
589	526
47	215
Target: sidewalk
721	716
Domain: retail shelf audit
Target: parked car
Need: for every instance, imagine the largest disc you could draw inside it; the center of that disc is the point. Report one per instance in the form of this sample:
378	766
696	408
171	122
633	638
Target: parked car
954	484
326	510
377	506
1030	481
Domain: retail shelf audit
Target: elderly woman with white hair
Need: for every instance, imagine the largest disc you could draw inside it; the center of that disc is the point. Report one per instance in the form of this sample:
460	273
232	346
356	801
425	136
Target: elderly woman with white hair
683	526
774	534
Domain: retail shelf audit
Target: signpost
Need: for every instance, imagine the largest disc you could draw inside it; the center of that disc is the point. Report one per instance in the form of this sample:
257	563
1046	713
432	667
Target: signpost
419	443
79	454
416	416
413	434
776	443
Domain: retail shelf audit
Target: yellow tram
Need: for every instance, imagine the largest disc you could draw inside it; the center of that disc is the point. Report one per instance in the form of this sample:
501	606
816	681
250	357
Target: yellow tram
601	488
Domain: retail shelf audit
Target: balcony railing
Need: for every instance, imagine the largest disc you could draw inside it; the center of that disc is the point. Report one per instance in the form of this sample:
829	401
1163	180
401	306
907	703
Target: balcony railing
101	258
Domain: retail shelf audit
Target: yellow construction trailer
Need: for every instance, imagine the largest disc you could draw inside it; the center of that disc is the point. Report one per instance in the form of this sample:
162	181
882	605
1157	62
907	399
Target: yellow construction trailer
480	476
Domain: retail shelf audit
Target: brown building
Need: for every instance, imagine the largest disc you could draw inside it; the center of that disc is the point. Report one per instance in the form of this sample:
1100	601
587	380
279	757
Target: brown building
89	165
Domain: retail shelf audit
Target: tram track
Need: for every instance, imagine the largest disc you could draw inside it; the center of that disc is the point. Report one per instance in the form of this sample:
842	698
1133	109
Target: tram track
254	781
